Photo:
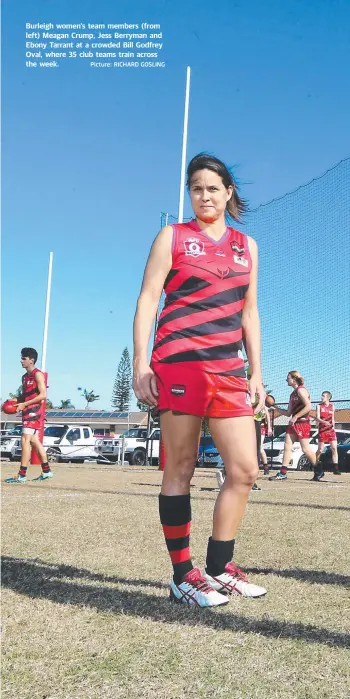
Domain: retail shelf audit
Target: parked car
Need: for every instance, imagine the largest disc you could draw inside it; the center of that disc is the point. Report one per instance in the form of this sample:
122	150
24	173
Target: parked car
135	446
343	457
208	454
65	443
298	461
9	441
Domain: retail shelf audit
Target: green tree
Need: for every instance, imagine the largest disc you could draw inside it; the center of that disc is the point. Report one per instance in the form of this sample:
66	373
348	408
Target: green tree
18	395
66	404
122	385
90	397
142	406
49	404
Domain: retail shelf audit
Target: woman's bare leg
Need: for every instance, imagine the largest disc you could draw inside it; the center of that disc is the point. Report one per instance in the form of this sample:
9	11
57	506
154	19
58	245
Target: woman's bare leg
236	441
180	435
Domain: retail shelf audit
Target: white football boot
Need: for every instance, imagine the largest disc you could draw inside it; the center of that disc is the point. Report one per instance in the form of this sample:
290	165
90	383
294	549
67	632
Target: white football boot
195	590
234	582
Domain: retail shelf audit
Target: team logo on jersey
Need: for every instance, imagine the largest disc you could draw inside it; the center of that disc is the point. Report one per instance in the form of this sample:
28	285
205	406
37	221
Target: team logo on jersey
222	273
194	247
178	390
239	249
240	261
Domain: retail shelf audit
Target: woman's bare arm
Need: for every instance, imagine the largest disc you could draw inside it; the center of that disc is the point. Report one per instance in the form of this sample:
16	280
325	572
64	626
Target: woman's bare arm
157	268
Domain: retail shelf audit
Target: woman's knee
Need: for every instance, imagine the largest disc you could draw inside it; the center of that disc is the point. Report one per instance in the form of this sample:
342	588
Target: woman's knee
181	464
243	473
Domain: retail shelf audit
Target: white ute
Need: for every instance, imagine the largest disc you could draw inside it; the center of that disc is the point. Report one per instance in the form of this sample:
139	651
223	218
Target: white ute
135	446
65	443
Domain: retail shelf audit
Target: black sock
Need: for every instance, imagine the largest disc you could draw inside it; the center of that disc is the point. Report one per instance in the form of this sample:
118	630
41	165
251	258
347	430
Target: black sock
218	554
175	516
45	467
22	471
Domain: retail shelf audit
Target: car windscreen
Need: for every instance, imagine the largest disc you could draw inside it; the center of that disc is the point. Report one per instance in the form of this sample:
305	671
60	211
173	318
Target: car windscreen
56	431
13	433
136	433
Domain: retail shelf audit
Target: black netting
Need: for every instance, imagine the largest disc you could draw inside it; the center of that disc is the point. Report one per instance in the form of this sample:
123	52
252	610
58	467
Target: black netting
304	283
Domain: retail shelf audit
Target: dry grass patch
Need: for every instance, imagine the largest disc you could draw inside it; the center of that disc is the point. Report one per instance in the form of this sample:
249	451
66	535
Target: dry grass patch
85	592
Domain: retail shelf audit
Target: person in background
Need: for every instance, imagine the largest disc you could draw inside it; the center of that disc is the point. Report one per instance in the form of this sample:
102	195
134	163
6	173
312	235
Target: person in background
264	420
326	429
32	405
298	430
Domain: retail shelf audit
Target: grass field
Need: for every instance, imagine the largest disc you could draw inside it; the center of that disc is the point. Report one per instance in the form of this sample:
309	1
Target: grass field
85	592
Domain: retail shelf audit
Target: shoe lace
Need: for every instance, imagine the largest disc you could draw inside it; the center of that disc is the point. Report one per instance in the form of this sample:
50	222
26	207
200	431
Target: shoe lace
237	573
195	579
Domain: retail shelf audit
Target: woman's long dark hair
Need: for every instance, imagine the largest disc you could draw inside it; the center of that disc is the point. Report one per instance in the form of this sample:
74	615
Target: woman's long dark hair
236	207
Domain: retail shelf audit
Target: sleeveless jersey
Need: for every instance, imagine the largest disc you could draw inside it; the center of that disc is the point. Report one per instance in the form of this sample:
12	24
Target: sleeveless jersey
326	413
31	416
201	322
297	404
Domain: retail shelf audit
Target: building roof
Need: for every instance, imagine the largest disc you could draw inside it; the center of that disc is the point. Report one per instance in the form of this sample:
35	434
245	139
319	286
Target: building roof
91	417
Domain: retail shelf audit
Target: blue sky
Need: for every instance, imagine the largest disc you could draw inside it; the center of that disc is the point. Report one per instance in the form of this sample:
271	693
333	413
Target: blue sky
91	158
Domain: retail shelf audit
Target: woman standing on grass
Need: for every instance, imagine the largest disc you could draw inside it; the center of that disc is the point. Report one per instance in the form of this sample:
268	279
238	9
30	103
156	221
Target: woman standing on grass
209	274
326	429
298	430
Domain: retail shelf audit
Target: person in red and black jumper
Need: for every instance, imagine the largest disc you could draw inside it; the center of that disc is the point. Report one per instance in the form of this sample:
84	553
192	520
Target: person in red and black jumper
209	274
298	430
326	429
31	406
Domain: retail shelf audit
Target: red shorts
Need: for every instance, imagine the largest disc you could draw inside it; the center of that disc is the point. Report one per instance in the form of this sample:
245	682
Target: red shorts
199	393
31	424
263	430
327	437
301	430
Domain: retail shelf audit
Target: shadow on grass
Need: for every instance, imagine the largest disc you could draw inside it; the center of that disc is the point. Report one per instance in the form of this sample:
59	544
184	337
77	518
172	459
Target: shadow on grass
259	502
308	505
40	581
318	577
63	570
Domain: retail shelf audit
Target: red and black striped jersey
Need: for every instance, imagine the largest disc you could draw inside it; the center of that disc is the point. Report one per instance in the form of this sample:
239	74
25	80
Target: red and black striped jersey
31	416
326	413
201	322
296	404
